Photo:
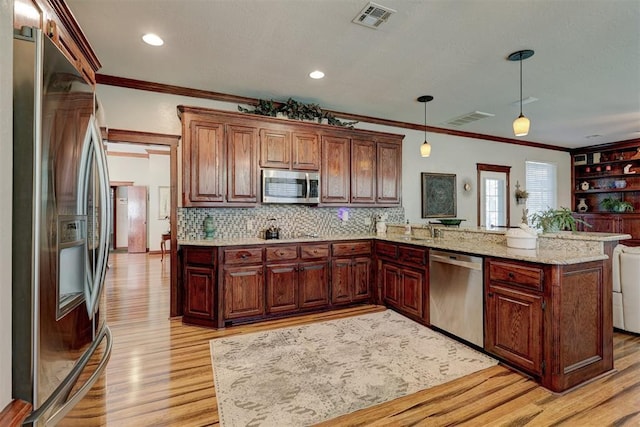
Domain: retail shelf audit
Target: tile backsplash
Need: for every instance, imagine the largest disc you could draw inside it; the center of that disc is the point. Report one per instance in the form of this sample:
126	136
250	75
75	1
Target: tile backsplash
293	220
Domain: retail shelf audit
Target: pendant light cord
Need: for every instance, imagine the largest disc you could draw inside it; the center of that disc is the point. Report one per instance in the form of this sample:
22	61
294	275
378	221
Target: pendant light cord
425	121
520	83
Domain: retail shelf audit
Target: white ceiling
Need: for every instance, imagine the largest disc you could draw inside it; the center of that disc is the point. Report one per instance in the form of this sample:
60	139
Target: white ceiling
585	71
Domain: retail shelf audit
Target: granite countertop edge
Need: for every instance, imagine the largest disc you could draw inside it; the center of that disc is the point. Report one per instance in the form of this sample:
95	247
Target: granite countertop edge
556	257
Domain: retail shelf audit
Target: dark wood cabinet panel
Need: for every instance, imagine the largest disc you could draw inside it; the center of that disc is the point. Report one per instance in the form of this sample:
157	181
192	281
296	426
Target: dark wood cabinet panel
204	176
412	285
335	176
362	280
341	281
199	290
363	167
243	289
275	149
242	169
390	284
389	173
313	284
282	288
514	327
199	279
305	151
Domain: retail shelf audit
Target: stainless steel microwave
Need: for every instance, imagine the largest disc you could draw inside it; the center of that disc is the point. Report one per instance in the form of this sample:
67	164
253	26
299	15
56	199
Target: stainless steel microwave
283	186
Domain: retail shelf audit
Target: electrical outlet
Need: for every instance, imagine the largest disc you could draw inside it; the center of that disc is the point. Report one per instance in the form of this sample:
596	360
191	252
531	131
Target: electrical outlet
250	225
367	221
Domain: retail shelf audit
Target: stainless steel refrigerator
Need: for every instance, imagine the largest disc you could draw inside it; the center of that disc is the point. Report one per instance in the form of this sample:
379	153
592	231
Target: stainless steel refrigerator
61	223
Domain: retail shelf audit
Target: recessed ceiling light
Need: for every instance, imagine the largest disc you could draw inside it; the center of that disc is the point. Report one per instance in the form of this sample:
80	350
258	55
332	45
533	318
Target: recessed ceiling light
317	74
152	39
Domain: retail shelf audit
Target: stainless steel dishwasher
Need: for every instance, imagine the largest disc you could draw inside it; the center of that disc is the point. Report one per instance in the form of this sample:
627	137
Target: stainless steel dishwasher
456	295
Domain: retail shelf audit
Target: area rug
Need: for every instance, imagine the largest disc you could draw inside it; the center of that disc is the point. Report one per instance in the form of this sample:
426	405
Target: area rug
306	374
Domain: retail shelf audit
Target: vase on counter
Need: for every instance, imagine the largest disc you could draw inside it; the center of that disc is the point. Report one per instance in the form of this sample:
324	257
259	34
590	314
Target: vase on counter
208	228
582	205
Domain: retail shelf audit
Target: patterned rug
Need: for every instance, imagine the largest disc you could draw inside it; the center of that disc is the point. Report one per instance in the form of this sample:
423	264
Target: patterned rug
307	374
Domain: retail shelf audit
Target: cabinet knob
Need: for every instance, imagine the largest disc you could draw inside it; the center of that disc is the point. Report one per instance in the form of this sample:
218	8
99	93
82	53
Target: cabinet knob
301	269
490	294
259	272
511	275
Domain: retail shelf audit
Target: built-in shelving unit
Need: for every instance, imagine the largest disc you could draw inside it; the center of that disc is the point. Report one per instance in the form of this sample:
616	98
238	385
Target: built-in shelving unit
608	171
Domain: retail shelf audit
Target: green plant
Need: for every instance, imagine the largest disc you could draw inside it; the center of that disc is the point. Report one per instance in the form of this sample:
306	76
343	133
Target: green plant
295	110
264	108
554	220
616	205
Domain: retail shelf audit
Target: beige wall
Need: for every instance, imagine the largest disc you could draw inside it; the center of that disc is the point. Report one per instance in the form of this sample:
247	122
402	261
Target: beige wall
6	144
153	112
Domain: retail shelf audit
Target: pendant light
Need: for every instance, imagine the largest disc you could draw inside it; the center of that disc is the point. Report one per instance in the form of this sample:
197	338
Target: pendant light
521	124
425	148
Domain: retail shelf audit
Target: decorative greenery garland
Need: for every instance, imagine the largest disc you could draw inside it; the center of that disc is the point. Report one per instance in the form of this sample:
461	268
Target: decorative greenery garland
295	110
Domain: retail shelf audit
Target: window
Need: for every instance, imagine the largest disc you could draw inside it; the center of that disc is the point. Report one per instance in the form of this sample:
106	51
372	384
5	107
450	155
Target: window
541	184
495	209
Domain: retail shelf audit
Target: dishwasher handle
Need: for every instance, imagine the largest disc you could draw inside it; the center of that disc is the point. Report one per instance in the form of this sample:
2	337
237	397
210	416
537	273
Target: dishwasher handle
447	260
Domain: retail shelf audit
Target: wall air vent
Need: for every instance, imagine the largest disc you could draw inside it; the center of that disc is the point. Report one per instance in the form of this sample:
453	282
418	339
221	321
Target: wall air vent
373	15
468	118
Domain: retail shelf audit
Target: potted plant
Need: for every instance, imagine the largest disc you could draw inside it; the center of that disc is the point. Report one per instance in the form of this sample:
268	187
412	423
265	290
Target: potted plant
521	196
554	220
616	205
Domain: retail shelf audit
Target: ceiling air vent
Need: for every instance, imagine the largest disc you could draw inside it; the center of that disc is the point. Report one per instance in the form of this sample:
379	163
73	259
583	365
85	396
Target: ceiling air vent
373	15
468	118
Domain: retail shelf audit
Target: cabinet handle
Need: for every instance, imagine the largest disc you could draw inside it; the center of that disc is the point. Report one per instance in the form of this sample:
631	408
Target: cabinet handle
244	256
490	294
301	269
511	275
259	272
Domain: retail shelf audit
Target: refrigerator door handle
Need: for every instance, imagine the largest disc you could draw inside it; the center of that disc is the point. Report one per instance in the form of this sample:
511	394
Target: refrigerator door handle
96	267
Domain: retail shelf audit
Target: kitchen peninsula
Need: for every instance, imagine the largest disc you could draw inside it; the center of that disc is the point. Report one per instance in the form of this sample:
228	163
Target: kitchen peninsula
547	312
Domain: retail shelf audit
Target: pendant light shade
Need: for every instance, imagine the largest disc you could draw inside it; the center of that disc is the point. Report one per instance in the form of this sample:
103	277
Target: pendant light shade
521	124
425	148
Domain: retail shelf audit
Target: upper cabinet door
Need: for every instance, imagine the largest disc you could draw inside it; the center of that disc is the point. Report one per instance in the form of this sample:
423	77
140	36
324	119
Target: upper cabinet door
306	151
275	149
334	173
204	175
363	176
389	173
242	164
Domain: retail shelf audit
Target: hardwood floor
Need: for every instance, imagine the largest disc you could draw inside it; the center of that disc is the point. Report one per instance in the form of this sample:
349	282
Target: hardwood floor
160	373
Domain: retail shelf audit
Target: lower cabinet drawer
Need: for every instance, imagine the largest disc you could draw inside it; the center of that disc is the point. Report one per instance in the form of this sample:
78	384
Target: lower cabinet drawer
199	256
351	248
314	251
521	275
242	256
386	249
282	253
411	255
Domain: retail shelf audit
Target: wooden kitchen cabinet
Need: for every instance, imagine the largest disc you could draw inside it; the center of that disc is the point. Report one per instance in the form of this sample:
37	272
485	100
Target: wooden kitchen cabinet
403	275
199	277
243	289
623	223
540	319
204	173
389	173
514	326
305	151
282	288
363	167
313	283
224	153
242	164
335	176
275	148
351	272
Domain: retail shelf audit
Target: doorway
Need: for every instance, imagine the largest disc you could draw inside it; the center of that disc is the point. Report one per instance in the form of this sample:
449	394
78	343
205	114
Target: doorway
494	207
148	140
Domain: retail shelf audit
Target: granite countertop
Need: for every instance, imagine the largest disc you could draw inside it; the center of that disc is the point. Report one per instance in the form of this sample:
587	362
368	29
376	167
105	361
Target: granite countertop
471	246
